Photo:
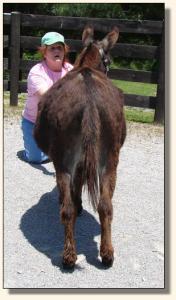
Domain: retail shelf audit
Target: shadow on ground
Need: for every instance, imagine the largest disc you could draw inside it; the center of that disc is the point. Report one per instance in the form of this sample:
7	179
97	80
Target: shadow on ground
41	167
42	228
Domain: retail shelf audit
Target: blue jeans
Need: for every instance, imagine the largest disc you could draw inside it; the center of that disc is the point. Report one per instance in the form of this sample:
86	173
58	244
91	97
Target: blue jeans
32	152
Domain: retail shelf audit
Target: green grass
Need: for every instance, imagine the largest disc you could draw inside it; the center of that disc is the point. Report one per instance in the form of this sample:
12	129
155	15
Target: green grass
139	115
131	113
138	88
13	111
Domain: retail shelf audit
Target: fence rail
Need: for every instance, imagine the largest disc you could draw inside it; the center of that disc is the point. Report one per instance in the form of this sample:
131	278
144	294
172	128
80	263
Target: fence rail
16	43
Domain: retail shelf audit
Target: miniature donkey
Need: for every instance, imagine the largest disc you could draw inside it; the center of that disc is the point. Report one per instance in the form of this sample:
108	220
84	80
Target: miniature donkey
81	126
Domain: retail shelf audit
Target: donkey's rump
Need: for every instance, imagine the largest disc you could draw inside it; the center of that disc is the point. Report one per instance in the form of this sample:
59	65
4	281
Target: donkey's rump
83	96
67	99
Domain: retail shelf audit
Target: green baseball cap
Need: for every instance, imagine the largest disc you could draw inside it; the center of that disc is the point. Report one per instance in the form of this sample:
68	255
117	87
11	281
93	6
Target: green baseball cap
51	38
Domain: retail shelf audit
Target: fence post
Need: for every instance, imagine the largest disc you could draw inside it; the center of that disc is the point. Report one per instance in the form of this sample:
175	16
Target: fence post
160	106
14	57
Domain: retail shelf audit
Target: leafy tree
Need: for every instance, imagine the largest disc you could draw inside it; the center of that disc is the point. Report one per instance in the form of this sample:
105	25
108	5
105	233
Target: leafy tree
144	11
139	11
133	11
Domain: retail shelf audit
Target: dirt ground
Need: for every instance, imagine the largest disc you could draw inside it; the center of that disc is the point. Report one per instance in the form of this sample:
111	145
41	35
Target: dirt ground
33	235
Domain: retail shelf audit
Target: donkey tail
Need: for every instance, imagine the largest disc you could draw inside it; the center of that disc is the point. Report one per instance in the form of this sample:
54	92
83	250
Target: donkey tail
90	142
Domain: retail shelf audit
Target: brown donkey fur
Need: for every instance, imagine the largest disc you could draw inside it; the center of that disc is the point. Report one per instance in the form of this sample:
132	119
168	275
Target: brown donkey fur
81	126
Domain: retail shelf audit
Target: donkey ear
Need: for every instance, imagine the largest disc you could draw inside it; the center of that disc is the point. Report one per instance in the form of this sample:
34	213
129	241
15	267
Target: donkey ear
110	39
87	36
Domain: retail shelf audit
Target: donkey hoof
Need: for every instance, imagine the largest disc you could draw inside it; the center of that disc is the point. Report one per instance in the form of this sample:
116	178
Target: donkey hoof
107	261
68	266
107	258
68	262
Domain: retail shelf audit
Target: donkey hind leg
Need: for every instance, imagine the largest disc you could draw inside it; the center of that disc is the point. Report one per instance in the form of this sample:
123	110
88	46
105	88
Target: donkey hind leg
68	217
105	210
77	189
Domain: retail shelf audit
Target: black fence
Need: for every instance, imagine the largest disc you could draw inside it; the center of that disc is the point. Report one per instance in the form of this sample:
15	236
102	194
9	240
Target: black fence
15	44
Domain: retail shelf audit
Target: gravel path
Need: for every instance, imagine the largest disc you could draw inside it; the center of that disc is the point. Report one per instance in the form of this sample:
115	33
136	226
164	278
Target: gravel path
33	235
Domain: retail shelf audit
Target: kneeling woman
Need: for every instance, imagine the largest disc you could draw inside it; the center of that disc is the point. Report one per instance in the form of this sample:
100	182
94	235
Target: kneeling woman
41	77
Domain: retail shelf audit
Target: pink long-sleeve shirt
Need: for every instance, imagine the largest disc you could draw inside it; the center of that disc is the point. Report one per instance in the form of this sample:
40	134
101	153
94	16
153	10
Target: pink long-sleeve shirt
40	78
